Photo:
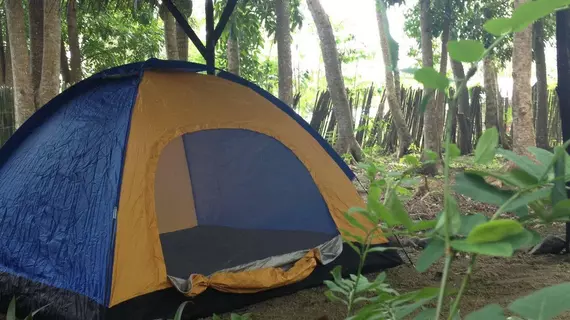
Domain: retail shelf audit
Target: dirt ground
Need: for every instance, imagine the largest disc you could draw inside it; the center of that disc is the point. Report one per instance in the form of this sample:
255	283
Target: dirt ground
495	280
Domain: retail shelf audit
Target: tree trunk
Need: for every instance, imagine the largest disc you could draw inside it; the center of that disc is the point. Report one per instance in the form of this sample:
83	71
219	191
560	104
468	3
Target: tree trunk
9	74
73	38
284	59
3	60
491	103
185	6
233	53
64	65
542	86
432	140
169	33
50	84
523	127
391	88
563	69
346	141
440	97
23	87
36	22
464	124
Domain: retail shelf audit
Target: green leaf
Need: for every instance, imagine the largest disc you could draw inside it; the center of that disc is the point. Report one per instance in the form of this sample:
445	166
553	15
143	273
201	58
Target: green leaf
433	252
529	12
411	160
543	156
355	223
528	198
543	304
561	210
425	100
525	239
431	78
523	163
348	234
333	298
423	225
489	312
519	178
469	222
454	215
499	249
11	313
180	310
498	26
495	230
335	287
398	210
487	146
381	249
514	177
426	314
465	50
403	311
476	188
371	217
454	151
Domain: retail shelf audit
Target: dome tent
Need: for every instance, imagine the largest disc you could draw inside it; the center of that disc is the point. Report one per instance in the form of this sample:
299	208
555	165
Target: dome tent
152	183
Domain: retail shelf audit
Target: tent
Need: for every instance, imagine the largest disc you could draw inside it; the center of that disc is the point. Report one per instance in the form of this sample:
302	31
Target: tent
153	183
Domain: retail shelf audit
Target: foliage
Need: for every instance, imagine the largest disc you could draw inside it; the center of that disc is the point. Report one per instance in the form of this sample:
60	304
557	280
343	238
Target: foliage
535	189
11	312
117	37
251	22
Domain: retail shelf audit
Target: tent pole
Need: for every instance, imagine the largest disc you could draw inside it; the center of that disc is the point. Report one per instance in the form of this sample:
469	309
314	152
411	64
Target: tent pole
181	20
213	32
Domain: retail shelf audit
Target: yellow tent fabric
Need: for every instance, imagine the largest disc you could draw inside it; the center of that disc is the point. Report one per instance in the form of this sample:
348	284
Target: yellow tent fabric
255	280
169	105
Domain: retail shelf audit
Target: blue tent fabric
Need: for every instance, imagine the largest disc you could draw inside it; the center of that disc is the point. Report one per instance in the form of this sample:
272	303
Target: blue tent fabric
237	172
288	110
59	191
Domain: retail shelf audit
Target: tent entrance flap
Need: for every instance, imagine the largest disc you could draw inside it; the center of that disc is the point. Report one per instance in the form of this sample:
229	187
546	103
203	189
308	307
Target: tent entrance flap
263	274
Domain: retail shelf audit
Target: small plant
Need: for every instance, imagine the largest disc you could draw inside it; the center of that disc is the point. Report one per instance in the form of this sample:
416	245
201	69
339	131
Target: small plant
535	190
11	313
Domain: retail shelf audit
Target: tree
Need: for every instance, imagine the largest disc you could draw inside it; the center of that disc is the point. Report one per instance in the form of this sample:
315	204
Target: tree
23	87
463	120
36	23
250	22
541	123
390	57
233	52
170	40
185	7
283	36
523	126
50	84
117	36
346	141
432	139
491	94
76	73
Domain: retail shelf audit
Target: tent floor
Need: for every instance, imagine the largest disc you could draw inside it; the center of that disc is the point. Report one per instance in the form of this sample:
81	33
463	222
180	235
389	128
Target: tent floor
207	249
66	305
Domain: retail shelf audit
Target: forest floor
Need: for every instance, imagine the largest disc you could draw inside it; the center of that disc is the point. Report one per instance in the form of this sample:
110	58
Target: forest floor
494	280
